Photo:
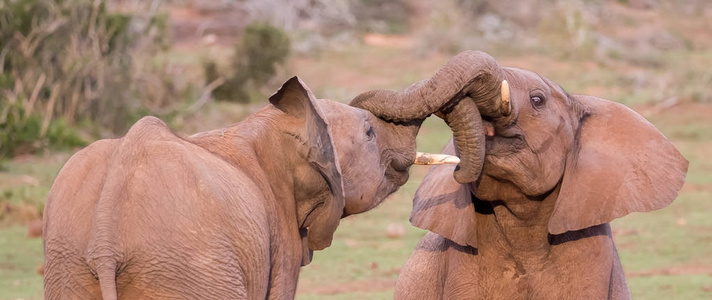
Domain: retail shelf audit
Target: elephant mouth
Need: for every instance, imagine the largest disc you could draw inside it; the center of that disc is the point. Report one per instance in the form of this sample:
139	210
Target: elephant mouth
503	141
397	165
398	161
396	172
499	146
394	178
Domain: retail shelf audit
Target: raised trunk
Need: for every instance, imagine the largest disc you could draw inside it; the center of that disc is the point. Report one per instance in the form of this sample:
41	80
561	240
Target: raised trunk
472	74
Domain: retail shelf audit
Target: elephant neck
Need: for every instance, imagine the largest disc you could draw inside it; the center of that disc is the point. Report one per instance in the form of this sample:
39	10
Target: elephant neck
521	221
259	147
252	147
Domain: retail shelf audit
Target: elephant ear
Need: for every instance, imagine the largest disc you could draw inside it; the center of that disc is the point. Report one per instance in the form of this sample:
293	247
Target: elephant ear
444	206
622	164
295	98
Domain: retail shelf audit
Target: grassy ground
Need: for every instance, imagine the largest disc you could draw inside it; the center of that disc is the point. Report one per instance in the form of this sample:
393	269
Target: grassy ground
666	254
19	258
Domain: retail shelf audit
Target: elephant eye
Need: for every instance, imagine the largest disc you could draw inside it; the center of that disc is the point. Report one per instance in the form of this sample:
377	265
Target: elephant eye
537	101
370	134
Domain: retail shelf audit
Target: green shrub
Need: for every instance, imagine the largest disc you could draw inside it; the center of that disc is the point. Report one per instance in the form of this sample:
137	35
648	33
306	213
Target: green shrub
64	62
21	134
262	48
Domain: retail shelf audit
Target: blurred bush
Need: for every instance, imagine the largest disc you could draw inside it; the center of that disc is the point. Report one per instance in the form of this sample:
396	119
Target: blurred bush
646	60
382	16
20	135
314	25
256	56
69	61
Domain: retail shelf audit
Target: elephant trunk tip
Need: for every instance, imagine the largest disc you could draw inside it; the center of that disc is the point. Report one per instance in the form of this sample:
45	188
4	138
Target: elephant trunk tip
463	176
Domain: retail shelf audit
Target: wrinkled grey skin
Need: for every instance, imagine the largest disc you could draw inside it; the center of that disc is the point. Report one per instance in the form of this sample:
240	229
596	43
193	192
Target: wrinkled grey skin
226	214
535	223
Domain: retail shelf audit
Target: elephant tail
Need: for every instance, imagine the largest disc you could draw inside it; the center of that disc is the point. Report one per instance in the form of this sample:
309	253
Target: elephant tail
106	272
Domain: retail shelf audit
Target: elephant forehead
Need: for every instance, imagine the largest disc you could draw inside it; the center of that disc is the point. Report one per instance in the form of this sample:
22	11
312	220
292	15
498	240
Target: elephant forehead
339	114
520	79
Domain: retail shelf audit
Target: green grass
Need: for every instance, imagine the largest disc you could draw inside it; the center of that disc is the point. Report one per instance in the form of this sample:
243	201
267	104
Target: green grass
38	176
19	258
671	287
19	255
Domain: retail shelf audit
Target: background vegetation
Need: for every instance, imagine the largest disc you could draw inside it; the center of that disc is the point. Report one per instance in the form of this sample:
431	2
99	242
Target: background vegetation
74	71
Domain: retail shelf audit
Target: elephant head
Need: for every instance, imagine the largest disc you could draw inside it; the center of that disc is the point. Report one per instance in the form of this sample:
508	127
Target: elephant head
474	75
373	141
603	159
354	159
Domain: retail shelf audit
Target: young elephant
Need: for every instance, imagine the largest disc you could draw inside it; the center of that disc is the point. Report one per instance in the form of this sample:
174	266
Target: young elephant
534	224
227	214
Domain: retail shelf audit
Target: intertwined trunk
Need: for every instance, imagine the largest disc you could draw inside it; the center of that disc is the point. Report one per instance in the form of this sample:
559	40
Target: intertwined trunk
467	87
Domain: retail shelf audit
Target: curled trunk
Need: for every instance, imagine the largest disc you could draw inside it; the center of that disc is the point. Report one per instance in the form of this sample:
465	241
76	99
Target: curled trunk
472	74
462	118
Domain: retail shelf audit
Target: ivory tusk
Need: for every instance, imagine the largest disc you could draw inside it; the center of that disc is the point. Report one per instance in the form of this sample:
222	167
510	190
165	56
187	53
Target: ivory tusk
435	159
505	109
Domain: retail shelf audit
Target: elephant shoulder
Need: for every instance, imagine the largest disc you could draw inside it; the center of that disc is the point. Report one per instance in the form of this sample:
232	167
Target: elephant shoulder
434	261
153	166
432	242
423	275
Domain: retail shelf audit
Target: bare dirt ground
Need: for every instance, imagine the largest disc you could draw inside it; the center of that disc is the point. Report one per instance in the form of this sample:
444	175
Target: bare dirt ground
349	287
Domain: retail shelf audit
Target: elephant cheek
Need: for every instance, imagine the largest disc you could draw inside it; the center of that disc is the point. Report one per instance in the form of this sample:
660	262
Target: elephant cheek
362	201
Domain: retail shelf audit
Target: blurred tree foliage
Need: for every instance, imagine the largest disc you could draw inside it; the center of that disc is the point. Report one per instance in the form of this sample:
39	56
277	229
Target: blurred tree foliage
254	62
69	61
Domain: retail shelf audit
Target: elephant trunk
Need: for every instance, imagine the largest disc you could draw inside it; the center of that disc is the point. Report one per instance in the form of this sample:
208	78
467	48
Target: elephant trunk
472	74
468	132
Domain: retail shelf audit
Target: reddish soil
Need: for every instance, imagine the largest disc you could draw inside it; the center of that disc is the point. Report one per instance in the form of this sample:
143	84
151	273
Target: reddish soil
350	287
194	27
678	270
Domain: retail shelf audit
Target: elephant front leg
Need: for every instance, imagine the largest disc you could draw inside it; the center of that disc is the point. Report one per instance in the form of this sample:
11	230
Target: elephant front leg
286	261
421	277
435	271
283	285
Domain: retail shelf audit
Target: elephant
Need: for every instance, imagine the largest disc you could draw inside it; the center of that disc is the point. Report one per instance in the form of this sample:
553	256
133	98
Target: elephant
231	213
545	172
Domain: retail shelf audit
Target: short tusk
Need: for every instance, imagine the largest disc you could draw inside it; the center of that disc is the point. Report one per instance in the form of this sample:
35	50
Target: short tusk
435	159
505	109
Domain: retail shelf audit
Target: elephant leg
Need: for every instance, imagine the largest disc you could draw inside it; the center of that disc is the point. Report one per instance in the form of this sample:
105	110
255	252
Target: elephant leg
423	275
69	278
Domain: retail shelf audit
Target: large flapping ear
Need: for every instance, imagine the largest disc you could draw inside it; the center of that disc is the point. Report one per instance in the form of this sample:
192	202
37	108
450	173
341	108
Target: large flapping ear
295	98
622	164
444	206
